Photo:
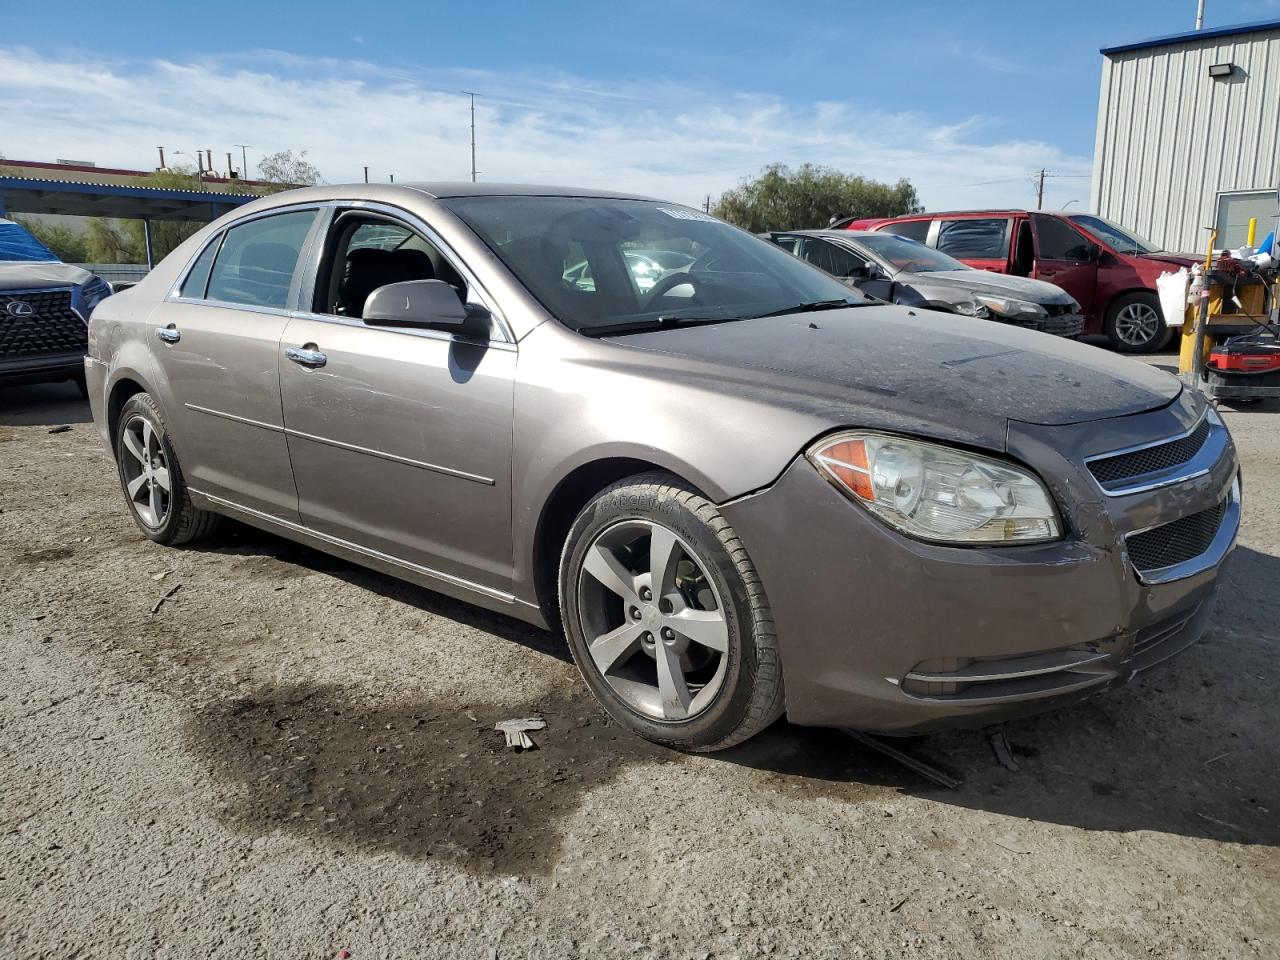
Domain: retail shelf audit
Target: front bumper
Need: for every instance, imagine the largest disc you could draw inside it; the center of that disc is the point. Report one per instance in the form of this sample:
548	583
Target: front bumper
883	633
1059	324
42	368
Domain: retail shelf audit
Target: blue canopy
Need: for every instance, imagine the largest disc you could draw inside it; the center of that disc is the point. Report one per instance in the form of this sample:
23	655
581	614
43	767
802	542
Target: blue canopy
17	244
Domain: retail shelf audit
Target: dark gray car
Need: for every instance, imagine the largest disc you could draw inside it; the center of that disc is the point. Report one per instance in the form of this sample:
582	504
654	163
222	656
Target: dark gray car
900	270
44	310
739	479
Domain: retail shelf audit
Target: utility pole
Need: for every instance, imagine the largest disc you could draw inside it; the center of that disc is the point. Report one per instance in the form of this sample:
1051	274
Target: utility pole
366	174
244	159
1200	15
161	149
706	204
1040	192
473	131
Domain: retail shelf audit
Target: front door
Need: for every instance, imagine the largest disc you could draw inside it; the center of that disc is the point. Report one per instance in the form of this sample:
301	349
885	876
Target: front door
1064	257
400	438
217	344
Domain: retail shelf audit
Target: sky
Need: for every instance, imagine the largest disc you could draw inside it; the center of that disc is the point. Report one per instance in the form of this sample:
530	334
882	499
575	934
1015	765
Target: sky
678	100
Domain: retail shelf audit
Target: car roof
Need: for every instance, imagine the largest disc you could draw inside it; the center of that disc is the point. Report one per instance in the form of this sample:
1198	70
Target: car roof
463	188
833	234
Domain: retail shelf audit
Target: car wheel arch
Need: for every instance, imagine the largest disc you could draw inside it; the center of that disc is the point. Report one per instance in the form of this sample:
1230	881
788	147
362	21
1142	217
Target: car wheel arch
123	386
570	495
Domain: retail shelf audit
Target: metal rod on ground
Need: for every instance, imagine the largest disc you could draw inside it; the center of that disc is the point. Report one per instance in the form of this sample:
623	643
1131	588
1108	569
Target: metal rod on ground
919	766
1202	316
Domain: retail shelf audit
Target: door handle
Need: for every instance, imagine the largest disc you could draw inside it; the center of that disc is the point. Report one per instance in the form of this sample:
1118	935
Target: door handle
306	357
169	334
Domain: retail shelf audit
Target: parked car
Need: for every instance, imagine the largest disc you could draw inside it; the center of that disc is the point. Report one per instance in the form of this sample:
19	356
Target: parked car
1108	269
744	475
44	311
901	270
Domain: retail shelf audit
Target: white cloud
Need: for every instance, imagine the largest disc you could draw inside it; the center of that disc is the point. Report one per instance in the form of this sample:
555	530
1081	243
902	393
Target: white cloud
665	138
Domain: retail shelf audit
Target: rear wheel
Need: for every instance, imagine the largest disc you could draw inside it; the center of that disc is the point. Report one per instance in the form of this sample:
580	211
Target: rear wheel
1136	325
666	618
152	479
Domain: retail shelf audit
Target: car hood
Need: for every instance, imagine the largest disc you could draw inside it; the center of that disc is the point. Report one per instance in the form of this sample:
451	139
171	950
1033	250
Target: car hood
893	368
983	281
1176	259
23	275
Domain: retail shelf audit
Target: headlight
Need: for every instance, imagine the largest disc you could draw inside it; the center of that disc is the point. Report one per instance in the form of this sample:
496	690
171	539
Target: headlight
1008	307
938	493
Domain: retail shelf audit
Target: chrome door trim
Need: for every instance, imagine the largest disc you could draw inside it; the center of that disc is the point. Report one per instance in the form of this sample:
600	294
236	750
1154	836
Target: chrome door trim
274	428
365	551
393	457
369	451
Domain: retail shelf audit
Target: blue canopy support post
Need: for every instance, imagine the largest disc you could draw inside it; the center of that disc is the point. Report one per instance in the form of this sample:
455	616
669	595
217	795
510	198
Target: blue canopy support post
1	203
146	236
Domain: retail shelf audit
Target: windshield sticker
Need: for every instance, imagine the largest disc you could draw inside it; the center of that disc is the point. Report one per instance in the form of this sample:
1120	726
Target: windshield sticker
688	215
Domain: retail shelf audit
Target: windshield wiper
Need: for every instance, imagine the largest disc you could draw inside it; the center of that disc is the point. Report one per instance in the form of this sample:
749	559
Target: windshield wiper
806	306
656	323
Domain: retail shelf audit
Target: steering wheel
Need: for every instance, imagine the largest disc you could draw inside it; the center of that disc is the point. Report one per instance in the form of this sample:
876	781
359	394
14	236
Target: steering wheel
670	282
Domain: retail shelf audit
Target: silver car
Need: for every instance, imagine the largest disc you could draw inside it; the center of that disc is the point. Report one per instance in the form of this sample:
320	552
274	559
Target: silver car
739	489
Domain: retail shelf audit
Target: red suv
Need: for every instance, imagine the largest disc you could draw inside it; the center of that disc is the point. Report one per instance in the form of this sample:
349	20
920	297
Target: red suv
1110	270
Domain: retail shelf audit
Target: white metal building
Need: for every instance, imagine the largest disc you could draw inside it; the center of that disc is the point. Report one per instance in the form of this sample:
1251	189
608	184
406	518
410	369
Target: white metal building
1189	135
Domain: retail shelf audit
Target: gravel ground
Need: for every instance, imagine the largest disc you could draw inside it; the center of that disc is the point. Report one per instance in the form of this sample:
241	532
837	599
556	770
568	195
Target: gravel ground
248	749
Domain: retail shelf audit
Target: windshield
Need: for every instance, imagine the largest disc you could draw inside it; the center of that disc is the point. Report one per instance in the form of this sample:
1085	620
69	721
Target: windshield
597	263
909	255
1118	238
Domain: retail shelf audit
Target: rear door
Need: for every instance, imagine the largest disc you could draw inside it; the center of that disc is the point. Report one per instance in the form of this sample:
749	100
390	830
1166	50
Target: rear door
981	242
1063	256
217	343
400	438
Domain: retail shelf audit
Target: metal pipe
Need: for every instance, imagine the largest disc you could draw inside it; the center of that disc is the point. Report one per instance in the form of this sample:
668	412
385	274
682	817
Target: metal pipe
1200	15
146	236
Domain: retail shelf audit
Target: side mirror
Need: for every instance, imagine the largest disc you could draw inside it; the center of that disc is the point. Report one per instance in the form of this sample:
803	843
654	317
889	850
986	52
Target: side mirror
415	303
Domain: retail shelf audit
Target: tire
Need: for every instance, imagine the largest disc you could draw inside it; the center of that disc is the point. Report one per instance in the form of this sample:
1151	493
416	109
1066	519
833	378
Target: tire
723	696
1124	321
167	517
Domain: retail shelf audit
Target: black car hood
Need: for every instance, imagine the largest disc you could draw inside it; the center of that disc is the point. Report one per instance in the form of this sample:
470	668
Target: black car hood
24	275
893	368
983	281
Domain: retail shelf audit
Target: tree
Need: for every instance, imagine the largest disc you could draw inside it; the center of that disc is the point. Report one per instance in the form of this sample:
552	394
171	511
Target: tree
284	170
808	197
67	245
124	241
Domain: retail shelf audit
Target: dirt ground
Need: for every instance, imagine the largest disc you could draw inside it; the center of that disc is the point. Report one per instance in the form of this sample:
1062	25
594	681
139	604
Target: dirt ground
248	749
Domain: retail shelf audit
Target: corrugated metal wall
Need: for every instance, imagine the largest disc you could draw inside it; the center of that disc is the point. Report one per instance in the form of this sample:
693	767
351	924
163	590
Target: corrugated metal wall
1170	137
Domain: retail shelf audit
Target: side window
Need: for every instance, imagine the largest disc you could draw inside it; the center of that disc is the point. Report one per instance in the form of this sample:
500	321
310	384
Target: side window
198	279
817	253
977	239
843	262
788	244
912	229
1056	240
366	251
256	262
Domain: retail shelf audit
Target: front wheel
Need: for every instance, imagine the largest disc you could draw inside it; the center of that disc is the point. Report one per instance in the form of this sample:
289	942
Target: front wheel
1136	325
666	617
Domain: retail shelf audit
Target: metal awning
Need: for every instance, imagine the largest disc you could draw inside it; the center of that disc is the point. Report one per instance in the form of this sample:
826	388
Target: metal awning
79	199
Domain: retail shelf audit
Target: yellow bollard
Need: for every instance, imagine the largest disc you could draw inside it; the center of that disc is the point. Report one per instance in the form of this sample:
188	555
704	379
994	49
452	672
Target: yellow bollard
1253	230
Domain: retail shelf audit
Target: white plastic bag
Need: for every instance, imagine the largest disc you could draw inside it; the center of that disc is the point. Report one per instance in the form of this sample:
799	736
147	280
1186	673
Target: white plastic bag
1172	289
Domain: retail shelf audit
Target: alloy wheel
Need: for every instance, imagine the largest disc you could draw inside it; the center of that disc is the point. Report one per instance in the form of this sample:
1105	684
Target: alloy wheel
1137	324
653	620
146	472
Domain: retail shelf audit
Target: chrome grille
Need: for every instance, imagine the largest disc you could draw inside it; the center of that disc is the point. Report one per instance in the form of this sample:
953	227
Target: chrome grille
1175	542
51	328
1162	456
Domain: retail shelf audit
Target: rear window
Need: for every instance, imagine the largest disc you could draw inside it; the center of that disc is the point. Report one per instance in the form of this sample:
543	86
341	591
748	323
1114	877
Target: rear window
977	239
256	263
911	229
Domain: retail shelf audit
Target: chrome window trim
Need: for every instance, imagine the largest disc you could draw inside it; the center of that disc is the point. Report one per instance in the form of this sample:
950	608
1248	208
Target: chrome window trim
1223	541
1198	466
